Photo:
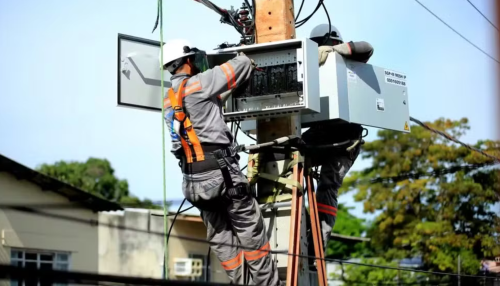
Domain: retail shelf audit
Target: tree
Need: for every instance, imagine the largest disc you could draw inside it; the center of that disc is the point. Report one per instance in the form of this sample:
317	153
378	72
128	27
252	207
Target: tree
97	177
347	224
429	213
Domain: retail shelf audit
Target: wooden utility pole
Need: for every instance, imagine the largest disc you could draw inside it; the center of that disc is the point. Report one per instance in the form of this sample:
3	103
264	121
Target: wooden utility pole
275	21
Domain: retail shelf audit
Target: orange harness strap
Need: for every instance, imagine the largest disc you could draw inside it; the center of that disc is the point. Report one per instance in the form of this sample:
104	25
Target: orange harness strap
190	142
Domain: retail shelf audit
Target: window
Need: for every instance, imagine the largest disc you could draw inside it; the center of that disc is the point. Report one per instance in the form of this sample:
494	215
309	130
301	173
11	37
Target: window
38	260
205	274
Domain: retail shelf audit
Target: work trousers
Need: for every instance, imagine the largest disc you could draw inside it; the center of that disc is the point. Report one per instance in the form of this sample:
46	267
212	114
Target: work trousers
236	229
330	180
335	163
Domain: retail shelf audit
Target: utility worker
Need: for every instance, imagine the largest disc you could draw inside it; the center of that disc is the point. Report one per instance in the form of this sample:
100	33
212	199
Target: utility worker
213	181
335	163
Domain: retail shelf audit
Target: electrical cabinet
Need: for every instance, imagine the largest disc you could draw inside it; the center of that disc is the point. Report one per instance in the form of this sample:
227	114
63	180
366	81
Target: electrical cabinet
286	81
359	93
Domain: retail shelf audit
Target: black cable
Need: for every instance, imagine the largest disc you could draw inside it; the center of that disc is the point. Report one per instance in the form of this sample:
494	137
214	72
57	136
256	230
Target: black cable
96	223
298	24
456	32
70	205
252	12
86	278
451	138
301	22
329	23
248	135
300	10
173	221
238	128
484	16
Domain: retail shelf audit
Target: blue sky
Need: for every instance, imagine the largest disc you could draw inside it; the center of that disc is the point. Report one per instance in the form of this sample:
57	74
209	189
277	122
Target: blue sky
58	74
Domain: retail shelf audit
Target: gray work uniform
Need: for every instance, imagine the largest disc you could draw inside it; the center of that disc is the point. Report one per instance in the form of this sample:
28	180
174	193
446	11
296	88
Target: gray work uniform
232	221
335	163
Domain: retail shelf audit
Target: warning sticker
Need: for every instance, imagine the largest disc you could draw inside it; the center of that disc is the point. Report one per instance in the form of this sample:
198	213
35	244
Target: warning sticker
380	104
351	75
407	127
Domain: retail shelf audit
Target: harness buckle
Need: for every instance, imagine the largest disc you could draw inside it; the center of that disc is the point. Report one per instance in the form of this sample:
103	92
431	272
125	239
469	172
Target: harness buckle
219	156
238	191
179	112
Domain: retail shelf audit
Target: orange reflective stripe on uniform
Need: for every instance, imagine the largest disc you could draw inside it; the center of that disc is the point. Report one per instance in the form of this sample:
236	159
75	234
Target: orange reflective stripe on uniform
327	209
175	99
233	263
188	90
258	254
195	86
230	77
166	103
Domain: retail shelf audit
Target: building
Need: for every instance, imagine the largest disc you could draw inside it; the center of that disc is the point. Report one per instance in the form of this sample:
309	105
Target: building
36	240
136	246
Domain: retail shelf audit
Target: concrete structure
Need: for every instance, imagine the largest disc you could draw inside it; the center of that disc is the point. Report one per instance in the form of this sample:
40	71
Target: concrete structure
140	253
33	240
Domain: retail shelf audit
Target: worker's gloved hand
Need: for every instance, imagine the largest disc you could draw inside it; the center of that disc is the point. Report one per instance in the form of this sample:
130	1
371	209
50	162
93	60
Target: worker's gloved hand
343	49
251	60
323	52
225	95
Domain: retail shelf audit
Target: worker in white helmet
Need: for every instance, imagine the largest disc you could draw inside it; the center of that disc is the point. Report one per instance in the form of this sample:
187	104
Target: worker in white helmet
336	162
213	181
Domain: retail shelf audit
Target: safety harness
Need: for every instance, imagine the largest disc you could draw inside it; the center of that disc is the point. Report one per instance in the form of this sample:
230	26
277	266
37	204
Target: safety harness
198	157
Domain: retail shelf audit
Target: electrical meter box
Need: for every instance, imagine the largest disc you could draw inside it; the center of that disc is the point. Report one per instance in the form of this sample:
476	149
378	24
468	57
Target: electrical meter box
359	93
285	82
362	93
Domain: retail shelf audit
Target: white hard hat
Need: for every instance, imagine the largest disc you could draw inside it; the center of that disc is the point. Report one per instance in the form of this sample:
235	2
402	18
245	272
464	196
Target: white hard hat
322	30
174	50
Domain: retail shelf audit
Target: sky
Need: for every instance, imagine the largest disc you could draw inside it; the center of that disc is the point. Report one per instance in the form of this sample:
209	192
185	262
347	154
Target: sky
59	59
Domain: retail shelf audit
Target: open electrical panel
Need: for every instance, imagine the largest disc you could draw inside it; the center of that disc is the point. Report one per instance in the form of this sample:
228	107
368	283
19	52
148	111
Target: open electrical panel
286	80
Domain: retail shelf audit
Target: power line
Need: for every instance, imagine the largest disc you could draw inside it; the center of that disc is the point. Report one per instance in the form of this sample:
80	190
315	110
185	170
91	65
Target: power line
72	277
418	175
95	223
456	32
484	16
451	138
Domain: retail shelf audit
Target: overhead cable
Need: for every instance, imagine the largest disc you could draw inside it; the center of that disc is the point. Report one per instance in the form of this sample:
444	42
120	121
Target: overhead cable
456	32
76	204
484	16
435	173
299	23
95	223
86	278
451	138
300	10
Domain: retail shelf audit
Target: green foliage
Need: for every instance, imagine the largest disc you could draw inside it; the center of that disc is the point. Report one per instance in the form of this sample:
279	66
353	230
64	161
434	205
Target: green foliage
358	275
349	225
95	176
437	217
